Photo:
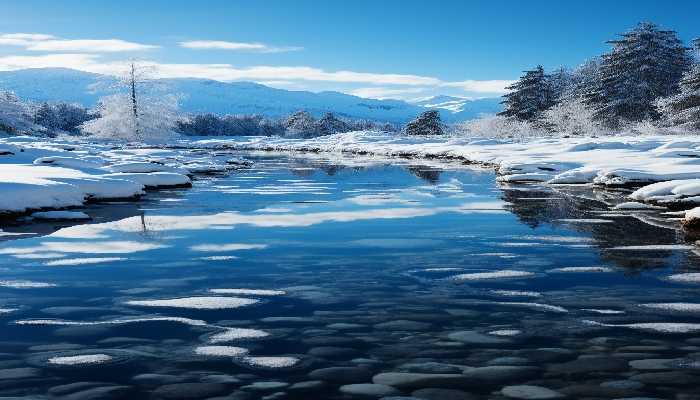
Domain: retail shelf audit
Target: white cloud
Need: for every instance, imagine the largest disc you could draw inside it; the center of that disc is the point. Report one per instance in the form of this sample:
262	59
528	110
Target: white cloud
492	86
386	93
49	43
372	85
238	46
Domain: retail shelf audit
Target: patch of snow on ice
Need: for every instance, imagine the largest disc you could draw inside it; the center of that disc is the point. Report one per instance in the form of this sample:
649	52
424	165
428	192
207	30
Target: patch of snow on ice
580	269
26	284
272	362
232	334
253	292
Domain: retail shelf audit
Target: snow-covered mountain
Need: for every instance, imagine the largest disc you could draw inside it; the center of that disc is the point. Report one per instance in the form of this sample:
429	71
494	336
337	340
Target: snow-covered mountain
202	95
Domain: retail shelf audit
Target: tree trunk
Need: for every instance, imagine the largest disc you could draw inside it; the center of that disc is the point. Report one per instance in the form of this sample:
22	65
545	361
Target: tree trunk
133	100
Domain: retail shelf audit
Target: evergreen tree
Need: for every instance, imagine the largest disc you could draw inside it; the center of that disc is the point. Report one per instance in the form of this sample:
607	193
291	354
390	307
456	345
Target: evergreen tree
427	123
528	97
683	109
645	64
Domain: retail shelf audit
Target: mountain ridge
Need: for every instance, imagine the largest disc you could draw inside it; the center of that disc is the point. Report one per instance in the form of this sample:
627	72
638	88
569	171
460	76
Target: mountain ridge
205	95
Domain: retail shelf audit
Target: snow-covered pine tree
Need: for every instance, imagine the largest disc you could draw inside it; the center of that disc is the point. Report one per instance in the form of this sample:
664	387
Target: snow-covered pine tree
644	64
528	97
300	123
682	110
330	124
427	123
560	83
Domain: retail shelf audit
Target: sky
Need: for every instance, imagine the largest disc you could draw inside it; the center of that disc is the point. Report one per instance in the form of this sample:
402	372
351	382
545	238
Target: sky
382	49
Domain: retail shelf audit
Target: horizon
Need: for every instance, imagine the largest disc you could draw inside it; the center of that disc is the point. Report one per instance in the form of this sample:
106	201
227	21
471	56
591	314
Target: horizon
471	54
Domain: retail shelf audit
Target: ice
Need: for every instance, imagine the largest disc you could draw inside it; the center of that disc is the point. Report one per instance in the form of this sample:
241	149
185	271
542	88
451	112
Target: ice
690	277
271	362
198	303
65	215
502	274
124	321
603	311
7	310
506	332
82	261
580	269
631	205
226	247
26	284
662	327
232	334
535	306
683	307
655	247
221	351
154	179
252	292
80	359
143	167
516	293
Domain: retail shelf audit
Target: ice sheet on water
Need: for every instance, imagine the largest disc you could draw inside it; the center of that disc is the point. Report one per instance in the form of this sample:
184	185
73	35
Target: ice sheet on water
89	359
689	277
680	307
82	261
121	321
493	275
232	334
580	269
197	302
662	327
271	362
252	292
26	284
221	351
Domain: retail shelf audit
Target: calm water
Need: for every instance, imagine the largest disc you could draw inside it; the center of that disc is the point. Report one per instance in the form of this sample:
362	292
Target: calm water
373	267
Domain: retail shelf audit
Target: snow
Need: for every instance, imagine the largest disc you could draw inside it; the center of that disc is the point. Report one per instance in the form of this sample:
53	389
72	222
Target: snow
197	303
683	307
154	179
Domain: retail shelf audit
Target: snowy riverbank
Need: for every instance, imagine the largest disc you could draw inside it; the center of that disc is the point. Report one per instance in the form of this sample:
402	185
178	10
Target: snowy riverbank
54	174
38	173
665	170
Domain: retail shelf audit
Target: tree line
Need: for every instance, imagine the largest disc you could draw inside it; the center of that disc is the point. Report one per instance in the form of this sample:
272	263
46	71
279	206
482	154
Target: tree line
648	76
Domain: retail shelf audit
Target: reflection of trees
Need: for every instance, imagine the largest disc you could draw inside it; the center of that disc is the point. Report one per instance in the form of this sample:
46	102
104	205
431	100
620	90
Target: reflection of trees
537	205
430	175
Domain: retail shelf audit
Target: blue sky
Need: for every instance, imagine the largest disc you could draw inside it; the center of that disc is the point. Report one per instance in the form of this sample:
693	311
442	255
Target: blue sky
381	48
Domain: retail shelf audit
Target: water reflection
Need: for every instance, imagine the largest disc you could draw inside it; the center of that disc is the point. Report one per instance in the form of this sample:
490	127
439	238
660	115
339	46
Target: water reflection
306	281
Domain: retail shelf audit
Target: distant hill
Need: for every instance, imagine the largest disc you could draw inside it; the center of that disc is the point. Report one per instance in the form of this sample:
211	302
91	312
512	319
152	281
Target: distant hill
202	95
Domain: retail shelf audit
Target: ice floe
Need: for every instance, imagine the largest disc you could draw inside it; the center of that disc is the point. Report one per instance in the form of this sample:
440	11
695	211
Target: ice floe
580	269
198	303
60	215
82	261
516	293
493	275
252	292
221	351
271	362
233	334
534	306
662	327
689	277
26	284
505	332
80	359
226	247
680	307
122	321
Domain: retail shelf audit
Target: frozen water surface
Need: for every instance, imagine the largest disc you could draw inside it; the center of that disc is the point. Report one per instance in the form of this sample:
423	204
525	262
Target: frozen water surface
300	275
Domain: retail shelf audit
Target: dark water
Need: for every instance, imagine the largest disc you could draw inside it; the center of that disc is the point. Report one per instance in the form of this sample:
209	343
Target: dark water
363	257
